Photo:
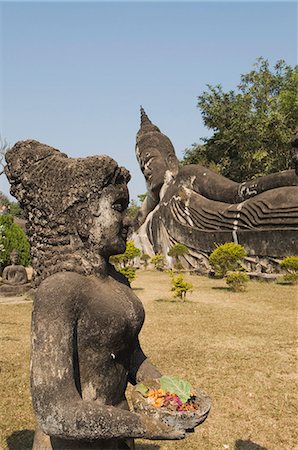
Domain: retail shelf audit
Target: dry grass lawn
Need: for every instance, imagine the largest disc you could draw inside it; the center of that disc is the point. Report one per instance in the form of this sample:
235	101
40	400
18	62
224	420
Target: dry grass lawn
238	347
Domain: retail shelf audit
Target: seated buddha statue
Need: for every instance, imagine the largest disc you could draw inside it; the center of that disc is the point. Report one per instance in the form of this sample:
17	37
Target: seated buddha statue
197	207
15	274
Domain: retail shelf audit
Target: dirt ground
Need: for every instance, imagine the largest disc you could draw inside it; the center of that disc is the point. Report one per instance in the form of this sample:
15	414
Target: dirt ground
240	348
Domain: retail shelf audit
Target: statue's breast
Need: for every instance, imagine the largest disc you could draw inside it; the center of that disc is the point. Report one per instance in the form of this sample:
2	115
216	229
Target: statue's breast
111	315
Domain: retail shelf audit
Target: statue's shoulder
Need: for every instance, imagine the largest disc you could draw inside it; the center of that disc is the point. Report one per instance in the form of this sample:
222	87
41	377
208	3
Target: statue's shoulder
65	285
192	169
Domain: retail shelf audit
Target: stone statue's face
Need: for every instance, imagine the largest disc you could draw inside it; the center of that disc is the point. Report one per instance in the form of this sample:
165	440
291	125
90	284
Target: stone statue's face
109	227
153	166
14	258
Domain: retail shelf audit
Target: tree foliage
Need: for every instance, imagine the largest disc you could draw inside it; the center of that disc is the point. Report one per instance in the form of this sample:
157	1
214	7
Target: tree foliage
158	261
176	251
237	280
129	272
127	258
13	237
124	262
290	264
13	207
180	287
227	257
252	126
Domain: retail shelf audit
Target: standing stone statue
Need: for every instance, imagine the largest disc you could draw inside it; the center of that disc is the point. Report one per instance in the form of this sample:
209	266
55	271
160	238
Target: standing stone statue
194	206
86	319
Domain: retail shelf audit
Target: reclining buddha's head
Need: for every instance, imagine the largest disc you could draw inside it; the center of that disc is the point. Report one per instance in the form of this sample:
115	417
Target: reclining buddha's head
155	154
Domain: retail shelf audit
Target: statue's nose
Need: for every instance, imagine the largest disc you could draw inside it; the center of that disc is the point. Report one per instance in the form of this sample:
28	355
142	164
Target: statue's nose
127	221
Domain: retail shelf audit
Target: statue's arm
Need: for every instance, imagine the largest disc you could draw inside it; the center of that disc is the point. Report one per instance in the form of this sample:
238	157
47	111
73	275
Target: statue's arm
147	206
141	367
273	181
60	410
219	188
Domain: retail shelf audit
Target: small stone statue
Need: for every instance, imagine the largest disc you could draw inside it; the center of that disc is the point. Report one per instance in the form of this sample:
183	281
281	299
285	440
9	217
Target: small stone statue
194	206
86	319
14	274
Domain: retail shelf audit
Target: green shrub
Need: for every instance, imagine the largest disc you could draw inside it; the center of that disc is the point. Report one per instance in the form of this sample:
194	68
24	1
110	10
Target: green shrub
129	272
158	261
126	258
290	278
124	261
290	264
180	287
13	237
237	280
176	251
226	257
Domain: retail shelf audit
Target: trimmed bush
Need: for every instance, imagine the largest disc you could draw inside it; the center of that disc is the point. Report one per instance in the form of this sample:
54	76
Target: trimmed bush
129	272
227	257
237	281
126	258
180	287
290	264
158	261
124	261
13	237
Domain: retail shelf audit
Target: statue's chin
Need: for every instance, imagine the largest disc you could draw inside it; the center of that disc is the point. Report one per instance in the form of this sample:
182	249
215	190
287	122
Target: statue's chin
155	188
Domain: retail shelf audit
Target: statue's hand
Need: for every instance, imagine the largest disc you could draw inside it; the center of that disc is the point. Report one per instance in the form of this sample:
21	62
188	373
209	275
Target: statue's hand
155	429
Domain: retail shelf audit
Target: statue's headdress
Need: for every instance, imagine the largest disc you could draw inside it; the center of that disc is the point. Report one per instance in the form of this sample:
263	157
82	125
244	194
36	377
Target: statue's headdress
149	137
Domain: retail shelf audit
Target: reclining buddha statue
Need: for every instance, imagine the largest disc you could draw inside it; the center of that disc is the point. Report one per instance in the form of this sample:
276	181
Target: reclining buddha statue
195	206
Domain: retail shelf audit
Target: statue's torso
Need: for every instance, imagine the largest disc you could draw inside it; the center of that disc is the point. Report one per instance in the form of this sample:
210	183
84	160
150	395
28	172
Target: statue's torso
109	322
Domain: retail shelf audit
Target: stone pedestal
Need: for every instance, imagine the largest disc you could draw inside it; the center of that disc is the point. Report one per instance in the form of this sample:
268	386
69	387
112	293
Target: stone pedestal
8	290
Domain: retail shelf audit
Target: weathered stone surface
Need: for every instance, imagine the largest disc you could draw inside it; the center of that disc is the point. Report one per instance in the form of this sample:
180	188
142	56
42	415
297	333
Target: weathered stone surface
197	207
86	319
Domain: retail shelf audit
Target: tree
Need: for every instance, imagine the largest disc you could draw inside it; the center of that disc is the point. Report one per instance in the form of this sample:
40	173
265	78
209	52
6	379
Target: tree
180	287
176	251
196	154
252	127
13	237
13	207
124	261
158	261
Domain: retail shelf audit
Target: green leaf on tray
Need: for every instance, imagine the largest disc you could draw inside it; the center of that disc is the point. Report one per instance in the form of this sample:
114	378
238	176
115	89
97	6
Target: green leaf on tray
142	389
176	386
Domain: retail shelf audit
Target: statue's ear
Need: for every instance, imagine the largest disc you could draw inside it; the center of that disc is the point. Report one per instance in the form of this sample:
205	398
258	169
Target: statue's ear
173	164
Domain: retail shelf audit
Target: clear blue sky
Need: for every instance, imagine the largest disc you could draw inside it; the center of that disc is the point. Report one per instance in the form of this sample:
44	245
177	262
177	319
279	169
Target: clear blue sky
73	74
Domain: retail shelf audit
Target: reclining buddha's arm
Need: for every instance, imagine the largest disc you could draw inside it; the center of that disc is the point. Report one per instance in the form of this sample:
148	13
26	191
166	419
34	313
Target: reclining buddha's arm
216	187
